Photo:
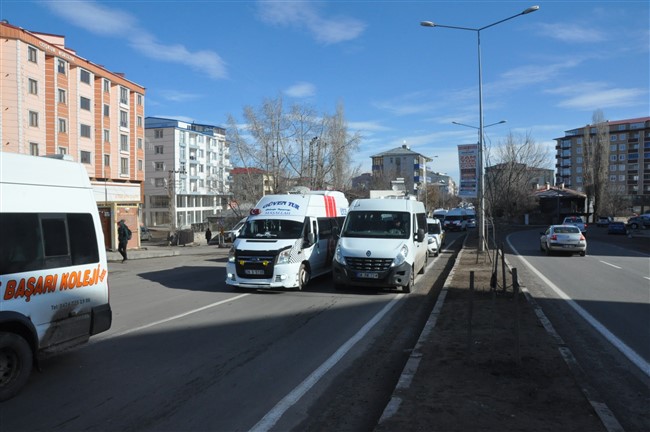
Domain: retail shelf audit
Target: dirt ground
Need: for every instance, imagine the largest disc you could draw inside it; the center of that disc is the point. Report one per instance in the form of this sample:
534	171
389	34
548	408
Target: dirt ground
506	375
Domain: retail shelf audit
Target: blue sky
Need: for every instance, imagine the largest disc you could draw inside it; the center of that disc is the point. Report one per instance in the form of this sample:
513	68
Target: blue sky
544	72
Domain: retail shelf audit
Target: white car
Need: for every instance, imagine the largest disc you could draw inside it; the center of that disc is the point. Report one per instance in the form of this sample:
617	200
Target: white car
435	236
563	238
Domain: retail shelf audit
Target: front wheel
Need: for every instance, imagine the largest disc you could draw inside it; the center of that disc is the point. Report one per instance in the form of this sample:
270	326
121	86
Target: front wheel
408	288
15	364
303	276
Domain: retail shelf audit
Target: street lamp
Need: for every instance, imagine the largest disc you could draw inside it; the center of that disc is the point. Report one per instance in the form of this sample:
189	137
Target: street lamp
481	231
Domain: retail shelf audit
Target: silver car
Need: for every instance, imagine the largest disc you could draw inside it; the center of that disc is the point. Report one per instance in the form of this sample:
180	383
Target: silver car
563	238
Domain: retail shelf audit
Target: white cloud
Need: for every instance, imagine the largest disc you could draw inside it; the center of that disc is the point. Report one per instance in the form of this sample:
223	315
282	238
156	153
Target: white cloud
592	95
305	15
105	21
571	32
177	96
301	90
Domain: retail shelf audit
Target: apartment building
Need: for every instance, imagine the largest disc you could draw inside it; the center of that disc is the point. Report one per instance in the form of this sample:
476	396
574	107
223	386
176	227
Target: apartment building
55	102
401	162
187	171
629	158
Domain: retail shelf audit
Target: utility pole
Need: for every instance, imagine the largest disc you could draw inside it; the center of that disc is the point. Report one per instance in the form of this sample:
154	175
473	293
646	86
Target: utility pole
171	193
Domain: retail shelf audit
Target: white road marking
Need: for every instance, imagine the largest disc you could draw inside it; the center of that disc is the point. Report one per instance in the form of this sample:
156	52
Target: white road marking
619	344
611	265
175	317
272	417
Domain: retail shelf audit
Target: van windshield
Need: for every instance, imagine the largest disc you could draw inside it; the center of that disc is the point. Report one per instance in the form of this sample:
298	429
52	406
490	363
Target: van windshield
271	228
433	228
377	224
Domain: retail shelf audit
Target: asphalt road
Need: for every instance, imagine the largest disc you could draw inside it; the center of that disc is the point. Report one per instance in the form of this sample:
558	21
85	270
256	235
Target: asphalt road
186	352
600	306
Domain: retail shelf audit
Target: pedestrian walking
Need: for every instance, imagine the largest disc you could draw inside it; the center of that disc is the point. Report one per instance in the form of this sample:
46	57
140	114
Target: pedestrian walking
208	235
123	237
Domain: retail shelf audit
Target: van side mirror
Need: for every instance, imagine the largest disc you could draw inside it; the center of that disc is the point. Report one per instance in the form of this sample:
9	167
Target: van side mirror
311	239
420	235
336	232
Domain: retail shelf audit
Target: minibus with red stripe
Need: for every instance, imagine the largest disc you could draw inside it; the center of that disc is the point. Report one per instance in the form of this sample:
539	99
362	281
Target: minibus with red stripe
287	240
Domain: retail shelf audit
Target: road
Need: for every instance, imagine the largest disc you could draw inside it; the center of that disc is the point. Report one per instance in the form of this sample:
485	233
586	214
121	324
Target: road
185	352
600	306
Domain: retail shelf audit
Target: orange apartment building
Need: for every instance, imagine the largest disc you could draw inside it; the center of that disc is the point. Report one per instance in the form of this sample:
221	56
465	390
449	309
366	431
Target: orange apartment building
55	102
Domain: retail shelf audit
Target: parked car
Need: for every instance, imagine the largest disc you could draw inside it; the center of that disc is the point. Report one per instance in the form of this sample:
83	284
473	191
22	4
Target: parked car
233	232
435	236
616	228
563	238
471	223
604	221
145	234
639	222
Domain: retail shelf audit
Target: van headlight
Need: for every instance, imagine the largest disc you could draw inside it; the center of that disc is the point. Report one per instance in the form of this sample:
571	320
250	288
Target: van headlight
231	254
283	257
338	256
401	256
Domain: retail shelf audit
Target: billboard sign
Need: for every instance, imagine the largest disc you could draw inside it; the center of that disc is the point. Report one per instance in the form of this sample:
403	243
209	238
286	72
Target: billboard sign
468	164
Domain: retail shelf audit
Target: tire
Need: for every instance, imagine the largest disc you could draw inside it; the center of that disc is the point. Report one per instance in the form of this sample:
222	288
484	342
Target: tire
408	288
548	251
583	253
16	360
634	225
303	276
541	248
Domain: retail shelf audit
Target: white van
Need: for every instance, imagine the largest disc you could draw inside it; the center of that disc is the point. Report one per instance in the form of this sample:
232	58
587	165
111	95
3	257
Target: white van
53	272
287	240
435	236
382	244
456	220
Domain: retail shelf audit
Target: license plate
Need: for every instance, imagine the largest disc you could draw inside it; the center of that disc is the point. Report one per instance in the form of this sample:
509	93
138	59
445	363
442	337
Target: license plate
368	275
254	272
569	246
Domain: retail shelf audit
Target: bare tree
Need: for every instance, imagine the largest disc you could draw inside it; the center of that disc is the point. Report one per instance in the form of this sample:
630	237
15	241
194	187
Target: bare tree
595	150
509	178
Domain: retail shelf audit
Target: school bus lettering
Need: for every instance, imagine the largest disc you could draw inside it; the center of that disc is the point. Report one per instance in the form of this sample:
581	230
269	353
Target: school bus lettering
28	287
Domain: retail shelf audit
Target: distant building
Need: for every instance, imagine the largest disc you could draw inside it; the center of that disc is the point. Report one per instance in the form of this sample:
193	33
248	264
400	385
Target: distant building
56	102
401	162
188	172
629	158
532	176
249	185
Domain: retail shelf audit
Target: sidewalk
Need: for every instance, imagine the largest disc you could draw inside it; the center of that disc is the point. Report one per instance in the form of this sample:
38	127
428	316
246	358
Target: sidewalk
160	249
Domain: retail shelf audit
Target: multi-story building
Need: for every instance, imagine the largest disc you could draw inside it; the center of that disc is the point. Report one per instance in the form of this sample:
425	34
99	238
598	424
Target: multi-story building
401	162
249	185
187	171
55	102
629	158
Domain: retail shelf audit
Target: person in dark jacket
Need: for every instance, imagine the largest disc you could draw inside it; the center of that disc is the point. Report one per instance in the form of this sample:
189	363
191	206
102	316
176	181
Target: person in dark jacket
123	237
208	235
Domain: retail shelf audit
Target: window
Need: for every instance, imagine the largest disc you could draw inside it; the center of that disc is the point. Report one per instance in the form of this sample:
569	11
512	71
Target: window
33	241
613	138
578	179
633	167
578	150
579	140
63	150
139	99
621	157
140	164
612	178
60	66
33	118
84	103
159	182
622	136
140	143
33	149
612	158
621	177
159	166
139	121
612	148
579	159
621	147
612	167
33	86
107	86
62	96
32	54
107	135
159	149
84	157
124	119
84	130
124	166
107	110
84	76
158	133
579	169
124	142
107	160
124	95
63	125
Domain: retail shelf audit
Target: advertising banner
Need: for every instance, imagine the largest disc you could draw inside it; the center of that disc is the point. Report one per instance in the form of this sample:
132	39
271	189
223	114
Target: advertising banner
468	164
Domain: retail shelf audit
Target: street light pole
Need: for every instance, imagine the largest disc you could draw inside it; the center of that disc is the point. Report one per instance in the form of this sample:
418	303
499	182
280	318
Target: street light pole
481	227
